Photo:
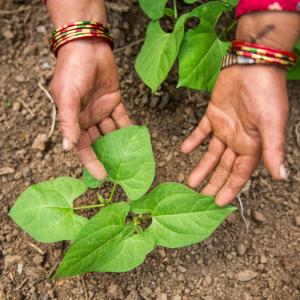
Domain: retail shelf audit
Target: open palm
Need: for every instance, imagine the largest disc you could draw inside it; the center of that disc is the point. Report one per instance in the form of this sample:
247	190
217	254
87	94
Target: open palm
247	117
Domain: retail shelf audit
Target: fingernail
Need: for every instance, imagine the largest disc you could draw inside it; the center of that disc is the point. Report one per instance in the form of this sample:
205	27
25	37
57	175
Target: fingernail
66	144
282	172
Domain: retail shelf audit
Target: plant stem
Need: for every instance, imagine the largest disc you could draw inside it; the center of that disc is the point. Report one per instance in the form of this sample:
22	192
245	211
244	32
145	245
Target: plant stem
175	9
112	193
89	206
227	29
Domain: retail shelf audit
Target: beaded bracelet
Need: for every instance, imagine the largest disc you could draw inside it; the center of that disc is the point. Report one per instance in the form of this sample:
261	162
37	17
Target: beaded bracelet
78	30
244	53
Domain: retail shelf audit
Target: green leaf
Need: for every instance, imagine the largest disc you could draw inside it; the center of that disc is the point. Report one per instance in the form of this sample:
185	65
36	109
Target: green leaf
45	210
159	52
200	60
154	9
190	1
128	159
89	180
232	3
106	244
180	216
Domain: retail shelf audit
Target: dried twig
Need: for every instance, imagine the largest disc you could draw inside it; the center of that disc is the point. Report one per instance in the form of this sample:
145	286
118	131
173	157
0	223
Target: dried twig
297	132
12	12
53	268
21	284
129	45
86	297
242	212
53	108
27	107
39	250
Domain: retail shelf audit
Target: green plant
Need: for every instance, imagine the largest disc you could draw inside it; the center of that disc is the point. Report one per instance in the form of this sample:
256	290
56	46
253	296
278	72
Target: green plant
199	50
118	237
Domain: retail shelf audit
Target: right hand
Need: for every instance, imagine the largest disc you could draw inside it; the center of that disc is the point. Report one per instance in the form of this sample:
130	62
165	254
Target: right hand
86	90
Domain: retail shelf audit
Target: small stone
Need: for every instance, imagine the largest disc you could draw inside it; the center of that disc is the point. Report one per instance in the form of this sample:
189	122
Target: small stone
41	29
247	296
40	142
2	295
20	78
232	219
162	252
176	297
115	292
11	259
208	280
8	34
147	291
6	171
180	177
246	275
20	268
164	101
297	221
241	249
133	295
162	296
258	217
154	101
181	269
16	106
263	259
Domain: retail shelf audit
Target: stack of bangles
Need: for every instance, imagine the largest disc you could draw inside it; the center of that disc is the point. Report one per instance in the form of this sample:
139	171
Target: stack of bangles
244	53
78	30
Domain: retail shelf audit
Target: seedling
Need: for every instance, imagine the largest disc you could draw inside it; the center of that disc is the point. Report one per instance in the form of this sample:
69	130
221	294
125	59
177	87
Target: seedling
199	50
115	238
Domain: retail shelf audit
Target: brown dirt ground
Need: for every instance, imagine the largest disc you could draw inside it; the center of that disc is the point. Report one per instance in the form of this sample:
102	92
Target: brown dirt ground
209	270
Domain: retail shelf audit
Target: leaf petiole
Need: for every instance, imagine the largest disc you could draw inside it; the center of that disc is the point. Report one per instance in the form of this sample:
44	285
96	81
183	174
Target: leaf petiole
113	191
175	9
89	206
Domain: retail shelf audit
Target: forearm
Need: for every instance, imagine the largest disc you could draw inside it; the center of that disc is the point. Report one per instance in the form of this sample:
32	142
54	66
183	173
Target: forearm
274	29
63	12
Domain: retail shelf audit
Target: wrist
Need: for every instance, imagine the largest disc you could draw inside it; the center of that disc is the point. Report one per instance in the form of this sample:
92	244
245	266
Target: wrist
274	29
63	12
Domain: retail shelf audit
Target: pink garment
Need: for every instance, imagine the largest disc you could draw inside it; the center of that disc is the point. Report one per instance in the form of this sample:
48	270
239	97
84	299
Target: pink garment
248	6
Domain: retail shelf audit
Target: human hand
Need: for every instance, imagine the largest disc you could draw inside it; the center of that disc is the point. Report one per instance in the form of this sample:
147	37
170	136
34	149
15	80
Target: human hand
247	116
86	90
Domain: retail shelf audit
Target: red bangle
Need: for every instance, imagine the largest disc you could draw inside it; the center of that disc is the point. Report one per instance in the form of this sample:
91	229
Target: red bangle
268	50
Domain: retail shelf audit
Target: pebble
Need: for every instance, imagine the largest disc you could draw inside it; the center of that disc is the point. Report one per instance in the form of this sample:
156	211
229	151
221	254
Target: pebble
241	249
20	268
181	269
20	78
11	259
176	297
258	217
162	252
115	292
38	259
8	34
40	142
162	296
247	296
208	280
246	275
180	177
154	101
16	106
297	221
232	219
263	259
164	101
147	291
133	295
2	295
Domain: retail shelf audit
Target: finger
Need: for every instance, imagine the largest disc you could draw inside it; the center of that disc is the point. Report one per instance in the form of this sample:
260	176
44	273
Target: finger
221	174
243	168
198	136
99	110
107	125
273	140
86	154
120	116
208	162
94	133
68	111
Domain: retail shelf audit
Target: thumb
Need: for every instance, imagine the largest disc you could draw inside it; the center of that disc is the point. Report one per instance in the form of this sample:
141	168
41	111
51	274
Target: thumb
68	111
273	139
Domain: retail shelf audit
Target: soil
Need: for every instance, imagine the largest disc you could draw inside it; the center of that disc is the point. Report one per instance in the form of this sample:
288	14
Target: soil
263	264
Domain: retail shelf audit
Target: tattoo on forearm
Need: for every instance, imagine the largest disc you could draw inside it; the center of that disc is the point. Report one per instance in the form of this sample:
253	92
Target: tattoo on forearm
269	28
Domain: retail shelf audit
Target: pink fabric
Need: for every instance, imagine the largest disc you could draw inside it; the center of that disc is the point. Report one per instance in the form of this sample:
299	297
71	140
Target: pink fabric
248	6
